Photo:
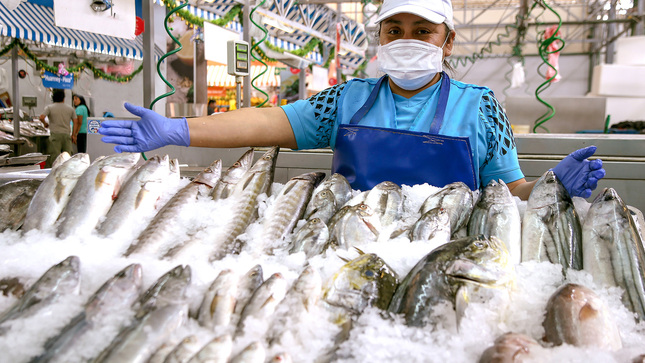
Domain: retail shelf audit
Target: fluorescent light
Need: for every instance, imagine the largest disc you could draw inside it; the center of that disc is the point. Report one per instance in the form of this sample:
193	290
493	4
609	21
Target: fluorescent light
276	24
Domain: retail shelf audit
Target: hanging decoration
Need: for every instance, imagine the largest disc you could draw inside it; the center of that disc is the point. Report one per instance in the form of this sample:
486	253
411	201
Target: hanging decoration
186	15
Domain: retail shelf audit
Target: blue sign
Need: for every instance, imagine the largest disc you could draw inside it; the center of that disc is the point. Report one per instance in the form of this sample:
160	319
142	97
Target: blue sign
52	80
93	126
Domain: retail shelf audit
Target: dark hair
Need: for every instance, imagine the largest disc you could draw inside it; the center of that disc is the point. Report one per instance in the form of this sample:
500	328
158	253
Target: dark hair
82	99
211	101
58	95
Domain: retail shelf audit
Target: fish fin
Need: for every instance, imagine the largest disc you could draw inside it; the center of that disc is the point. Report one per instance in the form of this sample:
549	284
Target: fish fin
360	252
461	303
587	312
346	260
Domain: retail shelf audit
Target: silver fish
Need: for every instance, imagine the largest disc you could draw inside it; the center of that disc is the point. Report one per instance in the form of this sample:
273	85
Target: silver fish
253	353
138	199
339	187
232	175
188	347
247	286
15	197
386	200
217	350
434	225
496	214
353	226
244	203
94	194
576	315
54	192
322	206
62	157
457	199
170	288
218	305
551	229
442	274
287	209
158	234
512	348
60	279
311	238
264	301
612	251
119	292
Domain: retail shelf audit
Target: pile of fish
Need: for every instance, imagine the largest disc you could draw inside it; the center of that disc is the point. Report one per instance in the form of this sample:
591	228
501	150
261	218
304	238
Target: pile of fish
468	246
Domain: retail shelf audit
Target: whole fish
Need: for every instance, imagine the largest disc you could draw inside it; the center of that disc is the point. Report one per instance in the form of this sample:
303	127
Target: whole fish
446	273
253	353
232	175
551	229
170	288
119	292
244	202
433	225
15	197
188	347
218	305
338	189
339	186
217	350
386	200
61	279
159	234
353	225
287	209
139	341
575	315
94	194
321	206
264	300
62	157
54	192
512	348
246	287
457	199
612	251
311	238
496	214
138	199
362	282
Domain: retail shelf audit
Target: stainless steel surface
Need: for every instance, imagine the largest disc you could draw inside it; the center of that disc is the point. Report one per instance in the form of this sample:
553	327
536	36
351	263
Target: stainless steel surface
246	36
148	53
186	109
15	96
572	114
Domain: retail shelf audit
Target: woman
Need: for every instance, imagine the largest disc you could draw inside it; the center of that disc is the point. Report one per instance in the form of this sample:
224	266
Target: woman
80	130
413	125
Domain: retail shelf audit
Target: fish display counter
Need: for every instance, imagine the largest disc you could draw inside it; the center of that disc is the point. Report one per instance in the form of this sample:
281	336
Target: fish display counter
117	259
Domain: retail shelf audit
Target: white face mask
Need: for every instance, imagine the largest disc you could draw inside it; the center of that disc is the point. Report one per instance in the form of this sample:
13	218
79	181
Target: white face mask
410	63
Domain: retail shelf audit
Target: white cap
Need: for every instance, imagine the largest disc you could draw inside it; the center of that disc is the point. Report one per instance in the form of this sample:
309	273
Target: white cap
435	11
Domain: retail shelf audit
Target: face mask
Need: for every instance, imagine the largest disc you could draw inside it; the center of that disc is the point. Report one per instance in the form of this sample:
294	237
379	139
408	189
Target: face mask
410	63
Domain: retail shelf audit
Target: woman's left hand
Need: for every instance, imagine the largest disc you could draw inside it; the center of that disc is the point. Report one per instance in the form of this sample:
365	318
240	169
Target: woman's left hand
578	174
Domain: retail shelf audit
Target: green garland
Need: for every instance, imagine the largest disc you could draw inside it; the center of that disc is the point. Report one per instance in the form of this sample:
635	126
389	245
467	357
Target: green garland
76	69
197	21
309	47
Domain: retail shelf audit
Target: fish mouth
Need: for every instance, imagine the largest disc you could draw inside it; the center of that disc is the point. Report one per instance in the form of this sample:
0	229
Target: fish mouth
469	271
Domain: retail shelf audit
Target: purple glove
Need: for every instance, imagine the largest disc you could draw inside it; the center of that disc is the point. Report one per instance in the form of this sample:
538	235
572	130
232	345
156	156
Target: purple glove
579	175
151	132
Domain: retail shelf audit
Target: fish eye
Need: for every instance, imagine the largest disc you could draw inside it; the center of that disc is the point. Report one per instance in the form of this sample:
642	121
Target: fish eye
237	164
369	273
315	220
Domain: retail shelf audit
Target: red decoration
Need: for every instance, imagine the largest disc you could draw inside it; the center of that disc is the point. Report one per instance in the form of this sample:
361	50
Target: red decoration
333	81
139	26
294	70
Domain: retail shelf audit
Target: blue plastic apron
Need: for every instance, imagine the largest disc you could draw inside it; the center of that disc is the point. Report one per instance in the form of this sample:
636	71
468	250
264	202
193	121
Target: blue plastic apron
368	155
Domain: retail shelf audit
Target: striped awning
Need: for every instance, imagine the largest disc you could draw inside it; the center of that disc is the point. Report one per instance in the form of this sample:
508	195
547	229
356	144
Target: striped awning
36	22
218	77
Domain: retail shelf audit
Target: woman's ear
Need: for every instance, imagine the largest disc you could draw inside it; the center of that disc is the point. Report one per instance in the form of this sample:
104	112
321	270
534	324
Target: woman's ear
450	42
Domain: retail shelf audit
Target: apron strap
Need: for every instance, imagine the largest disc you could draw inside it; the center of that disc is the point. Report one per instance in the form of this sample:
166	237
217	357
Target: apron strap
368	104
441	105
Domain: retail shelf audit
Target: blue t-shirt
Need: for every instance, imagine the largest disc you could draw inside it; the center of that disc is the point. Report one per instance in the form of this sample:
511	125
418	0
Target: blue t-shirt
472	112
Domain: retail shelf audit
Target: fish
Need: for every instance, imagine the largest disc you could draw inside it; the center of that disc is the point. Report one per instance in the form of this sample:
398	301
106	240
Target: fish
61	279
340	188
386	200
253	353
575	315
218	305
170	288
612	251
322	206
117	293
232	175
15	197
287	209
353	225
311	238
161	232
496	214
264	300
551	229
138	199
94	194
60	159
363	282
446	275
244	202
245	289
510	348
54	193
187	348
457	199
433	225
218	350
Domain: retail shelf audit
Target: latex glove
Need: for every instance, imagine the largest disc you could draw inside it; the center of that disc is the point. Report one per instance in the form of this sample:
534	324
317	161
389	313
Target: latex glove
579	175
151	132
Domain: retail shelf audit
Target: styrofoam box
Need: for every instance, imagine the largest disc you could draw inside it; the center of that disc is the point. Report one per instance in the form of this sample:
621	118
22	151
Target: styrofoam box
629	51
618	80
625	109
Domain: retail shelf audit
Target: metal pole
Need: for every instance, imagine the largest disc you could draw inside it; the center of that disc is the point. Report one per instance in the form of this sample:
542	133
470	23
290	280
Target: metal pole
640	7
339	73
246	36
15	96
238	90
611	31
200	70
148	53
302	84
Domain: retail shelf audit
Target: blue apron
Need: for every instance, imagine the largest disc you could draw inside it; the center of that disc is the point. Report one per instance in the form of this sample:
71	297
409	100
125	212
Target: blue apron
368	155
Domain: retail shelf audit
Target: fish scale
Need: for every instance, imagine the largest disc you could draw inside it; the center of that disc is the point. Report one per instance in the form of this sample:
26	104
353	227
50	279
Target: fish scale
232	176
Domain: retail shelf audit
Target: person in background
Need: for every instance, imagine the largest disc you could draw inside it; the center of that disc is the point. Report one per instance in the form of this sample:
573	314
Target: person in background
108	114
211	107
413	125
60	133
80	129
